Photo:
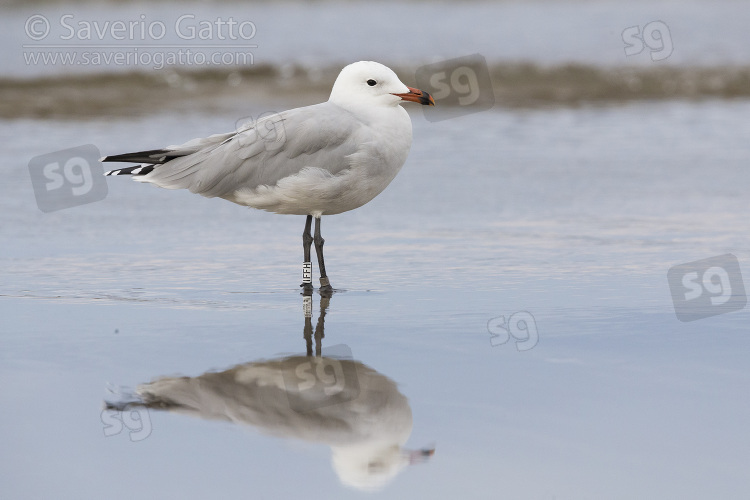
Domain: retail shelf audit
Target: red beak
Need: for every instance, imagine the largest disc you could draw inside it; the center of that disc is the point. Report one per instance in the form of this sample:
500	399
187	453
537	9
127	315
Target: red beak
416	95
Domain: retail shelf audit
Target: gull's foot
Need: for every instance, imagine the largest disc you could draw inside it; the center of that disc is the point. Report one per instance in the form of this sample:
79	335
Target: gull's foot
307	289
326	290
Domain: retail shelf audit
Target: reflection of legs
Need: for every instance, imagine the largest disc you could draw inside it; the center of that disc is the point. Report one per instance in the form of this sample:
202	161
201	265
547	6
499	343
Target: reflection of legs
308	330
320	327
325	286
307	241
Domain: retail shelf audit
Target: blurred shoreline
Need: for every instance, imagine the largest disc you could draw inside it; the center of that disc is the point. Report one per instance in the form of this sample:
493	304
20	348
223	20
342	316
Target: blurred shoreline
516	85
75	60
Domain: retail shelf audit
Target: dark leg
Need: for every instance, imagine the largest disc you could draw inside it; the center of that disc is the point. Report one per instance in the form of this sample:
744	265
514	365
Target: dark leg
320	327
307	241
325	286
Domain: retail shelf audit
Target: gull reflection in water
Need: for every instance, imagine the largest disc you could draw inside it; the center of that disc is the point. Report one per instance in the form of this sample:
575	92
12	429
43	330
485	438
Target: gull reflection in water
324	398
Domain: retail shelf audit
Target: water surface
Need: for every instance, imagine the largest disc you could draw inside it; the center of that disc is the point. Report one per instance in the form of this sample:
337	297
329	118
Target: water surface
571	215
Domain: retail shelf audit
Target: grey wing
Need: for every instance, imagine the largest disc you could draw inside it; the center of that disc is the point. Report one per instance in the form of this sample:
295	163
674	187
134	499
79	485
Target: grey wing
274	147
164	155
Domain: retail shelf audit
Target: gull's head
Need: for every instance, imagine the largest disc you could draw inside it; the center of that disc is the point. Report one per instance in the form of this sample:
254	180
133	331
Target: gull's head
367	83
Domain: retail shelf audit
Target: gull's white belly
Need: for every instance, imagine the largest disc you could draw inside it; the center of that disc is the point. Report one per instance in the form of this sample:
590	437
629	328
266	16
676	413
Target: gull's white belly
315	191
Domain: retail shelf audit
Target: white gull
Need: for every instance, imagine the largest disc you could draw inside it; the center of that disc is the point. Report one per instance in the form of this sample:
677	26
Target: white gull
317	160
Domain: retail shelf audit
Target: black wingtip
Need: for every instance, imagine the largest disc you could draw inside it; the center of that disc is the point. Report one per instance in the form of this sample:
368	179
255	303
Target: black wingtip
152	156
139	170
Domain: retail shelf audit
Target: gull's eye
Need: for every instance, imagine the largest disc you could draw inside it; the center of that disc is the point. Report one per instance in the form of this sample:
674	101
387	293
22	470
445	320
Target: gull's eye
371	82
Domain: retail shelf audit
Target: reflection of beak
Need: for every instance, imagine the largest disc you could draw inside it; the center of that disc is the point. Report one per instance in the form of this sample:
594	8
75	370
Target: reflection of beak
420	456
416	95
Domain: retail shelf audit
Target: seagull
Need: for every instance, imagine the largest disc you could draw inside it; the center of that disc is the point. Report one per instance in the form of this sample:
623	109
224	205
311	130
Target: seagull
317	160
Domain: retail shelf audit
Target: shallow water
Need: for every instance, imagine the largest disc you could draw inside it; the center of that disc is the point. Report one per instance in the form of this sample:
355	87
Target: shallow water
573	216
